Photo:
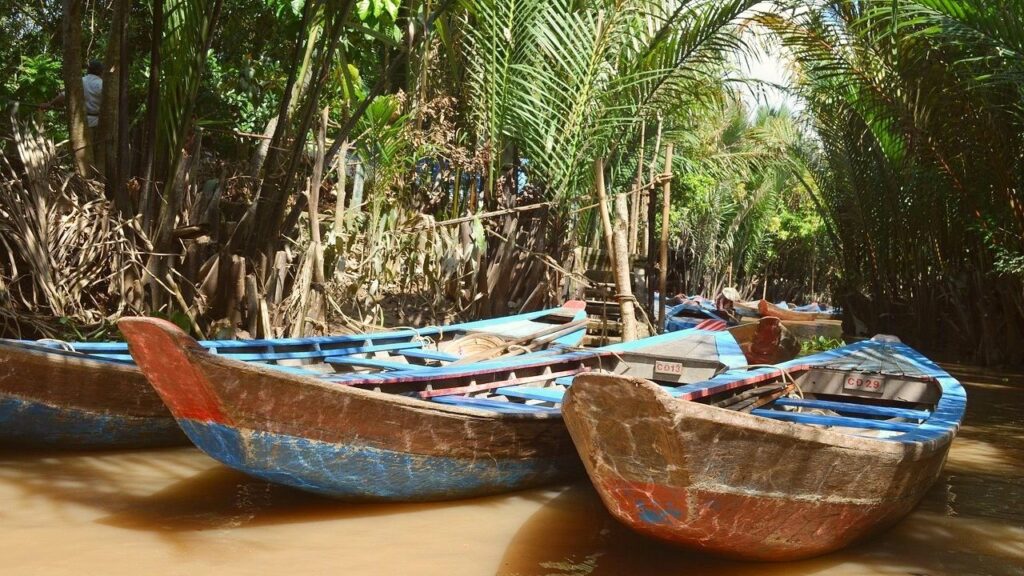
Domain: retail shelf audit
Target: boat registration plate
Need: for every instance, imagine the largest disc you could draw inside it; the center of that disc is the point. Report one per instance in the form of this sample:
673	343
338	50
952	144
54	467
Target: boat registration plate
864	383
662	367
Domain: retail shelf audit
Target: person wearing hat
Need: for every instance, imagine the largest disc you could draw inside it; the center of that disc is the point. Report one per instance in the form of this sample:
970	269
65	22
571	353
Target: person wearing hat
724	302
92	86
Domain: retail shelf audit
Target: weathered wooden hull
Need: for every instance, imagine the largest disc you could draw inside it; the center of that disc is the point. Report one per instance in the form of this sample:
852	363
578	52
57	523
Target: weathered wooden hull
343	441
58	400
766	308
735	484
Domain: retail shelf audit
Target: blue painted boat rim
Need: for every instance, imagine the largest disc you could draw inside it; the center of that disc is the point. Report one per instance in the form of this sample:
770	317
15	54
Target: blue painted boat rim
109	353
354	338
332	385
348	382
942	424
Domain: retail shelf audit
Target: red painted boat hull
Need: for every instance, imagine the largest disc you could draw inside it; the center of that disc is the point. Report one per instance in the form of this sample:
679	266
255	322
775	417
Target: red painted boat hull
734	484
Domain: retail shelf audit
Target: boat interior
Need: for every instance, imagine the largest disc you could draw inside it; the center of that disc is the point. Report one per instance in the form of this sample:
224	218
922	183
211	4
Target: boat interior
536	384
871	392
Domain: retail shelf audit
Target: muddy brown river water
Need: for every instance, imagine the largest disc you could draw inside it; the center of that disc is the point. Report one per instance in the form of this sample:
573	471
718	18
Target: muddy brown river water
178	512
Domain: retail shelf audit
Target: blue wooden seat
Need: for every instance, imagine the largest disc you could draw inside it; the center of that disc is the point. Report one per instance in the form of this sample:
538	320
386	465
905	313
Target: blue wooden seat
846	421
564	381
122	357
429	355
494	405
851	408
370	363
318	354
532	393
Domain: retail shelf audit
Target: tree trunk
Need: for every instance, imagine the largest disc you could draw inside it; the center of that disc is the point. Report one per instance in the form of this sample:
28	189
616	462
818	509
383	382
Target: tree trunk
106	132
618	251
146	204
262	149
122	164
634	198
339	204
602	201
651	221
622	283
74	95
666	202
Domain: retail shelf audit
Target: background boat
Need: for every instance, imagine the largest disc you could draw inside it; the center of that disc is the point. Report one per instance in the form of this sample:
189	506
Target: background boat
91	395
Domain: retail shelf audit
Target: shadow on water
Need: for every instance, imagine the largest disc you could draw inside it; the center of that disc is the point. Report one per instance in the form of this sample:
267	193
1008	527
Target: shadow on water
970	523
179	490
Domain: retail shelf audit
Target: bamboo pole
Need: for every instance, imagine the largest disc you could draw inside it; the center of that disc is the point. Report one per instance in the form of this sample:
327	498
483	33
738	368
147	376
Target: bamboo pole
634	200
602	201
649	236
666	202
622	282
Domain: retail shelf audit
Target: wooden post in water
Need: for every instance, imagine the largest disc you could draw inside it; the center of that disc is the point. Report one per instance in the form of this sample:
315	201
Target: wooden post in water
666	202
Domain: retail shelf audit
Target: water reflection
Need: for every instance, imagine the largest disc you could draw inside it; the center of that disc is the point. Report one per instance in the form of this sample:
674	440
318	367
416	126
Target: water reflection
175	511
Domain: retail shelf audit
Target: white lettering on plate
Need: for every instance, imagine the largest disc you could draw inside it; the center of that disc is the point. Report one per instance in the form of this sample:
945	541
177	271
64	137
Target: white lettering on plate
661	367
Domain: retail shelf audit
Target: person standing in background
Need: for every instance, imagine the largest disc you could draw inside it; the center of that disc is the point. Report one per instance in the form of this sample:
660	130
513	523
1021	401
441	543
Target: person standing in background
92	86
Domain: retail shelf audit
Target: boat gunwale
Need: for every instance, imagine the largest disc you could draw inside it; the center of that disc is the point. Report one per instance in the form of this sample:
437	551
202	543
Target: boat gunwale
730	354
95	350
939	428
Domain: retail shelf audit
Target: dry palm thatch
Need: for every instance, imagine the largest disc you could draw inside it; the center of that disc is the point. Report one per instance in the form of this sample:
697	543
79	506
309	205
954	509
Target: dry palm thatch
68	255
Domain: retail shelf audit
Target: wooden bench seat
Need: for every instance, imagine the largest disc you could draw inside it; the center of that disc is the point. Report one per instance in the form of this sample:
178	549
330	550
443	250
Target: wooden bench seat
495	405
844	421
533	393
371	363
429	355
852	408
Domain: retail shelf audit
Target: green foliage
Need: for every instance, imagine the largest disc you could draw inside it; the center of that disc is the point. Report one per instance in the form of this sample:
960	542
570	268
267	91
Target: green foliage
819	344
738	212
917	105
379	17
37	79
569	83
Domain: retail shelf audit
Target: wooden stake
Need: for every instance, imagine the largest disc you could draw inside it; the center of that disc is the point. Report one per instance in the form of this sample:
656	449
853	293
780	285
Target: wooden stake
634	201
602	200
666	202
622	282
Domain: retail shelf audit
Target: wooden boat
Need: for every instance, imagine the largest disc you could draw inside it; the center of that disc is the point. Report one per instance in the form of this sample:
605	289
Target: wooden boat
739	466
91	395
691	313
420	434
766	308
746	309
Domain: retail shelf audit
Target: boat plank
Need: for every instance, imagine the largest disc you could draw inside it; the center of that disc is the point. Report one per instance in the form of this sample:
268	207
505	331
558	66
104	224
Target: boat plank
533	393
844	421
429	355
851	408
493	405
370	363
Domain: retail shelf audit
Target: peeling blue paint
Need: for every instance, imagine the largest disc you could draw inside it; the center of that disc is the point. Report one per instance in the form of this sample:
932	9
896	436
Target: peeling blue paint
652	513
360	472
26	422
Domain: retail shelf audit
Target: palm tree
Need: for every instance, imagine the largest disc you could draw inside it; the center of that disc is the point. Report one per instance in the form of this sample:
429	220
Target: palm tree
572	84
917	105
